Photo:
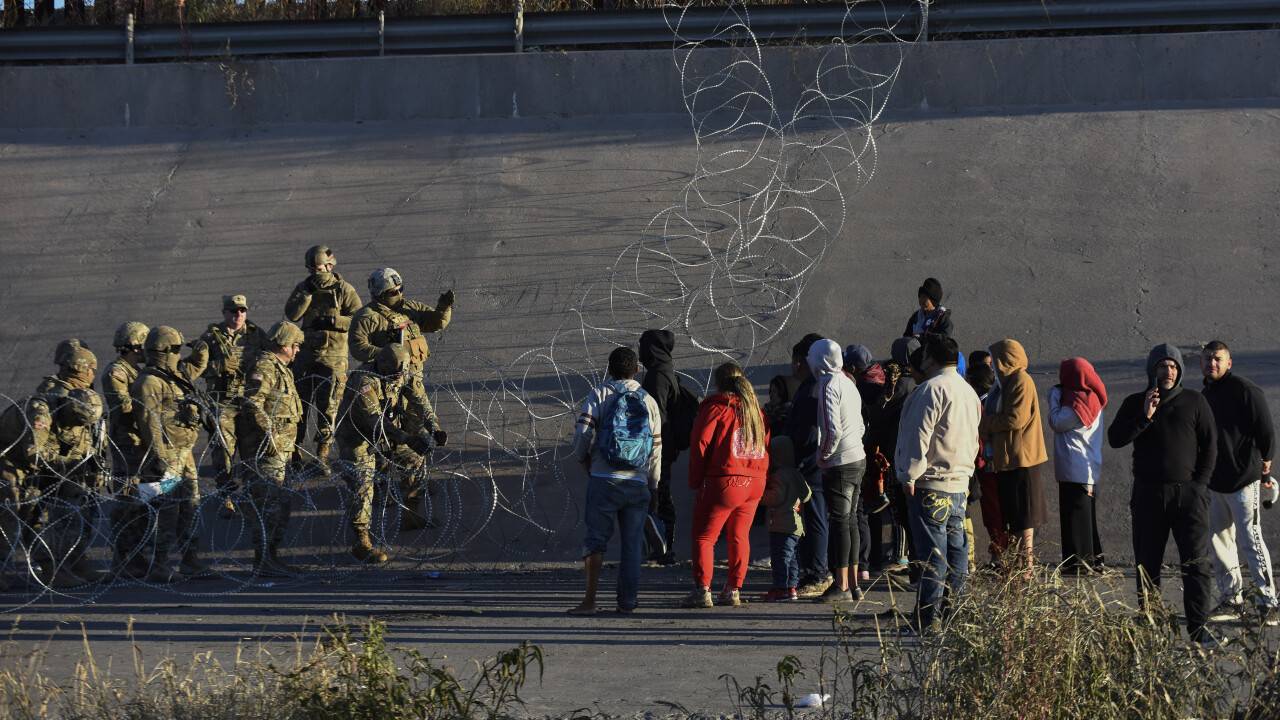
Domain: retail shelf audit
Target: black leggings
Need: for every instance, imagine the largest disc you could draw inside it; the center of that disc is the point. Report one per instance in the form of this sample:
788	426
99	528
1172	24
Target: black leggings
842	486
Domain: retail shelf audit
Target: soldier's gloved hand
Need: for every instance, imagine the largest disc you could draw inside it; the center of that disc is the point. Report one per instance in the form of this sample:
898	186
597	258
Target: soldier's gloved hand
420	444
312	283
446	300
189	414
441	437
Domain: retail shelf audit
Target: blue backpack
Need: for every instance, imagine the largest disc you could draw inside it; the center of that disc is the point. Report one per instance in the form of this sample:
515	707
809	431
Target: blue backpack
625	437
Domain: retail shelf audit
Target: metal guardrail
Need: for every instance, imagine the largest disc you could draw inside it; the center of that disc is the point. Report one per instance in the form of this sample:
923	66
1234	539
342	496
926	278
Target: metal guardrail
502	33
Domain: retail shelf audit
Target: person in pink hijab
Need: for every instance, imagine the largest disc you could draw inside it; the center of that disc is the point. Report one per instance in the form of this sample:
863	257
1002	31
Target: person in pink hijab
1076	404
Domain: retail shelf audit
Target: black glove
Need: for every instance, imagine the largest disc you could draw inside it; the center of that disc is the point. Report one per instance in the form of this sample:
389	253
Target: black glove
441	437
446	300
420	444
313	284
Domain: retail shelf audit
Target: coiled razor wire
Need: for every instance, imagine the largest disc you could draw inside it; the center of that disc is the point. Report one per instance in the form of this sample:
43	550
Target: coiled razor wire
724	265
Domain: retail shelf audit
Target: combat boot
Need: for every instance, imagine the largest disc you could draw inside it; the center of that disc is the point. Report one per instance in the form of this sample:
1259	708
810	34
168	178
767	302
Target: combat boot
263	567
364	551
84	568
162	573
192	564
274	558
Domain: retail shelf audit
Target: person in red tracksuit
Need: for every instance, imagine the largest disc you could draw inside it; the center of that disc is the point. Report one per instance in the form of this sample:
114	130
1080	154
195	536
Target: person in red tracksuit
728	462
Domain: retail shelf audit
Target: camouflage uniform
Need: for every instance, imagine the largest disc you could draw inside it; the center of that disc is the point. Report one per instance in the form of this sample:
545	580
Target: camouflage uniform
377	325
229	353
129	515
169	422
377	410
24	439
76	471
270	412
322	305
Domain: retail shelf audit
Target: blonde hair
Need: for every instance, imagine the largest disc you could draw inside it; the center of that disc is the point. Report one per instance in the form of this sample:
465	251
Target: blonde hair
730	379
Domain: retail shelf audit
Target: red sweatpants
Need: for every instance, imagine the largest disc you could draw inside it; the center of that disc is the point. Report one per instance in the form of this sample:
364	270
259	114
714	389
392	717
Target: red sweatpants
992	518
727	503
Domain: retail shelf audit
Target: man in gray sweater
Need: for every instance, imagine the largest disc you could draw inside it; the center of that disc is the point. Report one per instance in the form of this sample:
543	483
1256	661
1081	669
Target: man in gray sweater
934	459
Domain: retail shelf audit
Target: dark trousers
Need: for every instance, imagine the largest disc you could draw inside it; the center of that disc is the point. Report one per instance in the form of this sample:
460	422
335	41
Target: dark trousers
1183	510
813	545
882	553
663	507
863	557
782	560
1076	511
843	486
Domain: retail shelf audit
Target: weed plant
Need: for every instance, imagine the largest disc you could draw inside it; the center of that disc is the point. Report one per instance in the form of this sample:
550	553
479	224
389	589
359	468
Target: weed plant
1051	647
347	673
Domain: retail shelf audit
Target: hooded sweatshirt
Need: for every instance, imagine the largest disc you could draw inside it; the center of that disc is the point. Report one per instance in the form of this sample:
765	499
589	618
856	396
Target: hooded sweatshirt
938	434
1179	443
1245	433
840	426
716	448
1013	431
785	489
1075	415
660	381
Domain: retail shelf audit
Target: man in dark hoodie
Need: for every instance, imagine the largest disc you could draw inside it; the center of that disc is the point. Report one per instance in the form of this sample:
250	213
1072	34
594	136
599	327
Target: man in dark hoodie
802	428
1175	447
661	383
1245	444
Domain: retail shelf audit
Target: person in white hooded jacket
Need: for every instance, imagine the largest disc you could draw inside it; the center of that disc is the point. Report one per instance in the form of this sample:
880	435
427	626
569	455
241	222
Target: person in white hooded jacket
842	460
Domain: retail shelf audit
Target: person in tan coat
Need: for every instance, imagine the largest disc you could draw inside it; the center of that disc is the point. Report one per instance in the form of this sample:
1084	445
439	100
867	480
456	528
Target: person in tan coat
1013	432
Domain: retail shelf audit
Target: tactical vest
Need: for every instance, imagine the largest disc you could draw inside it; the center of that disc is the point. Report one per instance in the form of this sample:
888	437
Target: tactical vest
410	336
228	357
321	338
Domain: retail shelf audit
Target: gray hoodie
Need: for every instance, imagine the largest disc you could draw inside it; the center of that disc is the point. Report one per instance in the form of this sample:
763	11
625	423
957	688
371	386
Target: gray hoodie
839	408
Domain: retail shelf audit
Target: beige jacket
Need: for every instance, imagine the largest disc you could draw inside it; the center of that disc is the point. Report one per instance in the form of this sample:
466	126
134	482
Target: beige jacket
1013	431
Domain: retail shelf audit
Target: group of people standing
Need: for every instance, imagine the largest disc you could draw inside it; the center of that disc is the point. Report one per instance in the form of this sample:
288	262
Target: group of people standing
849	450
66	450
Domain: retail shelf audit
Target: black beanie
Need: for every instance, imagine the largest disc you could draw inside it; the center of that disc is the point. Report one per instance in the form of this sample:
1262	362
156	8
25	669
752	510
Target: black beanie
932	289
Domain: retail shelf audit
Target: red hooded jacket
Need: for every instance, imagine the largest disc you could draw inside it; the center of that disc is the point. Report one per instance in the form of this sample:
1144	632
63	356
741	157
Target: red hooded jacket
716	448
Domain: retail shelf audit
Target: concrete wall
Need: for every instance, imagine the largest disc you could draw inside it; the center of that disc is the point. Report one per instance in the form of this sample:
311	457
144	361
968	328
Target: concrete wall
939	77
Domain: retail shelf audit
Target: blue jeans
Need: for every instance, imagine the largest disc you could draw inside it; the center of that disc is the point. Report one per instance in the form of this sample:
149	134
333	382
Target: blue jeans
813	545
624	502
782	559
937	523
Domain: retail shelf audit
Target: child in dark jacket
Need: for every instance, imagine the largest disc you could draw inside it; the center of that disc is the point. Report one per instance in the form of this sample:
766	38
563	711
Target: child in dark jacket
784	492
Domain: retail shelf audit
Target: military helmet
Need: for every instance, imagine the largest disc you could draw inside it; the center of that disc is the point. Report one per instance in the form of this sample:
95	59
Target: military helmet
392	359
163	338
284	333
62	353
318	255
131	334
382	280
80	359
81	407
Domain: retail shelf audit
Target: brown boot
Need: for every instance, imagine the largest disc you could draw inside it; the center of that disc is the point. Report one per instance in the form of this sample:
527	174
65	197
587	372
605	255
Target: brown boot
364	551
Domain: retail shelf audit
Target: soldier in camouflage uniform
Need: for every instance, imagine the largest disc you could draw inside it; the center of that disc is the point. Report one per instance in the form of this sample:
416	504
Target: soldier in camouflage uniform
24	438
129	515
376	409
270	412
76	368
391	318
169	421
76	472
230	347
322	305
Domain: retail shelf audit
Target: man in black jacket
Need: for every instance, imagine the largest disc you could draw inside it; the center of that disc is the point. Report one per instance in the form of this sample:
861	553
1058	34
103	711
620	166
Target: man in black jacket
1175	446
802	428
661	382
1245	443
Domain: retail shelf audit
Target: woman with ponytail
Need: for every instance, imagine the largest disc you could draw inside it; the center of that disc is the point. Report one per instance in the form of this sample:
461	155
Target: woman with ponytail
728	461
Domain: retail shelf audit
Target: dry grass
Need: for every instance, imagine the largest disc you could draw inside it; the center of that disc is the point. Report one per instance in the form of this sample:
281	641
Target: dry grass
1055	648
346	673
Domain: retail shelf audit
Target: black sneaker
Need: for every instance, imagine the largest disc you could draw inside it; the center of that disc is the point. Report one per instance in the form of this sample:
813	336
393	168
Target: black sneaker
1227	611
834	594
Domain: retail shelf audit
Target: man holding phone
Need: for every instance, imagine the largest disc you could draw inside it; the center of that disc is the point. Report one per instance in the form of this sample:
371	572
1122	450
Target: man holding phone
1175	447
